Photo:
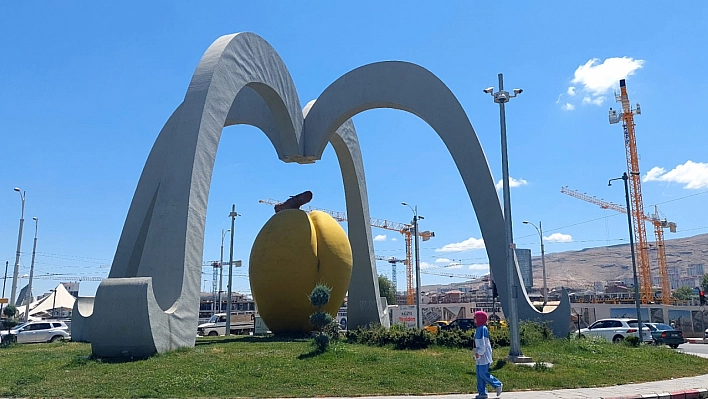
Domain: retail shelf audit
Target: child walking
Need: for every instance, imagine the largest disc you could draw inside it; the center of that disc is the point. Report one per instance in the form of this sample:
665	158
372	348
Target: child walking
483	357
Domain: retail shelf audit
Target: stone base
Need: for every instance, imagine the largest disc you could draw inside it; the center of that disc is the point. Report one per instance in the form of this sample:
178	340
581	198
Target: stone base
519	359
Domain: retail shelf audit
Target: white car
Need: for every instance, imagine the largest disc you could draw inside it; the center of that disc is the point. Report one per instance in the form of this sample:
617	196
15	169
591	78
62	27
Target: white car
39	331
616	330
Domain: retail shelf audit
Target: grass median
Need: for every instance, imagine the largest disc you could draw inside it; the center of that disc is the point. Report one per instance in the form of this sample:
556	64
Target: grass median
272	367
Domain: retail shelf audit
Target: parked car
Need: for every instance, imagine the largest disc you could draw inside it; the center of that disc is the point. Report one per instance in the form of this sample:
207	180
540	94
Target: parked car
664	334
39	331
460	324
616	329
435	326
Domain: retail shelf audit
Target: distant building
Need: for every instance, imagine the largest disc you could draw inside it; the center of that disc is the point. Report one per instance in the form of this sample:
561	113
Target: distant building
695	270
523	256
73	288
599	287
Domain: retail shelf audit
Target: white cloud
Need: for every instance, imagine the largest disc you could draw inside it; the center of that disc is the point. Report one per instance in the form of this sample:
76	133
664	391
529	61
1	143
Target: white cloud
466	245
394	239
479	267
693	175
567	107
442	260
595	100
512	183
425	265
595	79
598	78
380	237
559	237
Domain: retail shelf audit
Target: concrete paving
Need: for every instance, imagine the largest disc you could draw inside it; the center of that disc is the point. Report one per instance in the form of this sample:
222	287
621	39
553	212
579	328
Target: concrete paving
683	388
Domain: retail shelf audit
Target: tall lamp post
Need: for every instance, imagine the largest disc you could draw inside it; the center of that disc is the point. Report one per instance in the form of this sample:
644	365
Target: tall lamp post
539	229
631	246
54	300
419	314
232	215
29	286
502	97
4	280
221	266
16	272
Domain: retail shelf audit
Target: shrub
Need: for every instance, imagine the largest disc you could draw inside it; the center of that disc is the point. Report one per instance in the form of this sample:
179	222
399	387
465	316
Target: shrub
322	321
633	341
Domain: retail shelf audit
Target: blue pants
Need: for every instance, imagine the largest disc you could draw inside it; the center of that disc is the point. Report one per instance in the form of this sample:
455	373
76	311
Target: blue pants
484	378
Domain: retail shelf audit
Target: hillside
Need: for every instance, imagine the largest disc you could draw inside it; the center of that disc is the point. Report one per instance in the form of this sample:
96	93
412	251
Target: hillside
580	269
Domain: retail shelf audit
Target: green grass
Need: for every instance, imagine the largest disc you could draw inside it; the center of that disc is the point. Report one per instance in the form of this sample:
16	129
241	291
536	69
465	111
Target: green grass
269	367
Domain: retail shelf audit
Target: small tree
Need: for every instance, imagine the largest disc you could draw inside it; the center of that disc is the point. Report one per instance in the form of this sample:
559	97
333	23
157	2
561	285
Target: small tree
322	321
387	290
10	312
683	293
704	283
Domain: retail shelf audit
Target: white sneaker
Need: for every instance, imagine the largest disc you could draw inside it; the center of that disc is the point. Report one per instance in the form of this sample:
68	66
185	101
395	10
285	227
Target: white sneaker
499	390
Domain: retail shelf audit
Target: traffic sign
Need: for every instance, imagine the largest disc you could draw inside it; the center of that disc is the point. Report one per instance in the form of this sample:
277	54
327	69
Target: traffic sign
4	300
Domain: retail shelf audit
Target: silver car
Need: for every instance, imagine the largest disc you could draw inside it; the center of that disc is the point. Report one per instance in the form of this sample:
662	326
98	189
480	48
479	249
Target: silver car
39	331
616	329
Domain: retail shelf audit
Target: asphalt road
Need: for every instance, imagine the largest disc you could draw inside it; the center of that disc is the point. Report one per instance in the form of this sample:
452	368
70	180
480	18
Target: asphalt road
694	349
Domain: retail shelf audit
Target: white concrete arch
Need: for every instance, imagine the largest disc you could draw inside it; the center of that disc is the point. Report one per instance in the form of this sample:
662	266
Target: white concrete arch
149	303
412	88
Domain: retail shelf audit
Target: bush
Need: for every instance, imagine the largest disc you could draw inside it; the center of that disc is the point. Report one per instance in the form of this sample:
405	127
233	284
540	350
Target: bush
633	341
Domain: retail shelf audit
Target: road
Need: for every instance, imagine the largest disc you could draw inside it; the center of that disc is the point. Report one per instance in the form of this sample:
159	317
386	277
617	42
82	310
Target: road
694	349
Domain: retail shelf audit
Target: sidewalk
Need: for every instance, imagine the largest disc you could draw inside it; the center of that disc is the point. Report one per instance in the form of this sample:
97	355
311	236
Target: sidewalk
687	387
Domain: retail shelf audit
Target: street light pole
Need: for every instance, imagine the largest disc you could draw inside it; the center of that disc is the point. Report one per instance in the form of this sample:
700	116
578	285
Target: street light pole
419	313
29	286
54	300
13	293
502	97
4	280
539	229
221	266
232	215
631	246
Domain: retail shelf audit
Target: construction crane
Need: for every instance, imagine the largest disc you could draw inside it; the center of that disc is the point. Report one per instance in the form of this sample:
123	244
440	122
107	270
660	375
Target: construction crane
659	226
392	260
626	116
404	228
70	278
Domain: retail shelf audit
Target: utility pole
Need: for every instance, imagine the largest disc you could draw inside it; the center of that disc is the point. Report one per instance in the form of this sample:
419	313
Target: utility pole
29	287
502	97
15	274
4	280
232	215
221	267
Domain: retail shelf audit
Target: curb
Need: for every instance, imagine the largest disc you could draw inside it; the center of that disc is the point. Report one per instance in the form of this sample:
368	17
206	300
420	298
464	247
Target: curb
685	394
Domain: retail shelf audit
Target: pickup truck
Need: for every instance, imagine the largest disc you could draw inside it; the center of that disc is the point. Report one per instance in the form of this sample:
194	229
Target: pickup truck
241	324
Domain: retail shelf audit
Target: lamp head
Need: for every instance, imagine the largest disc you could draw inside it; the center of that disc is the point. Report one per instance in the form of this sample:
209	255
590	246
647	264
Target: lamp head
403	203
518	91
17	189
525	222
34	218
489	90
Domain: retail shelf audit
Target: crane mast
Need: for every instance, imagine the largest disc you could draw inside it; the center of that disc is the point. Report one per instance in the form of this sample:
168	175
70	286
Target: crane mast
659	226
635	188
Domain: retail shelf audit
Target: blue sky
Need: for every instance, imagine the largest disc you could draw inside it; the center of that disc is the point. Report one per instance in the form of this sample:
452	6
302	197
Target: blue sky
86	87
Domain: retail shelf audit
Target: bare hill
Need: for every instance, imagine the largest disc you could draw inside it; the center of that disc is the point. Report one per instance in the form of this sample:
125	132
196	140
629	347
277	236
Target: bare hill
580	269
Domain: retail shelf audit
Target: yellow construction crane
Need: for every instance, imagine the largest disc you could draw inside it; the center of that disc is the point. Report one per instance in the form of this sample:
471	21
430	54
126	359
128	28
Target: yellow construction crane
403	228
626	116
659	226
